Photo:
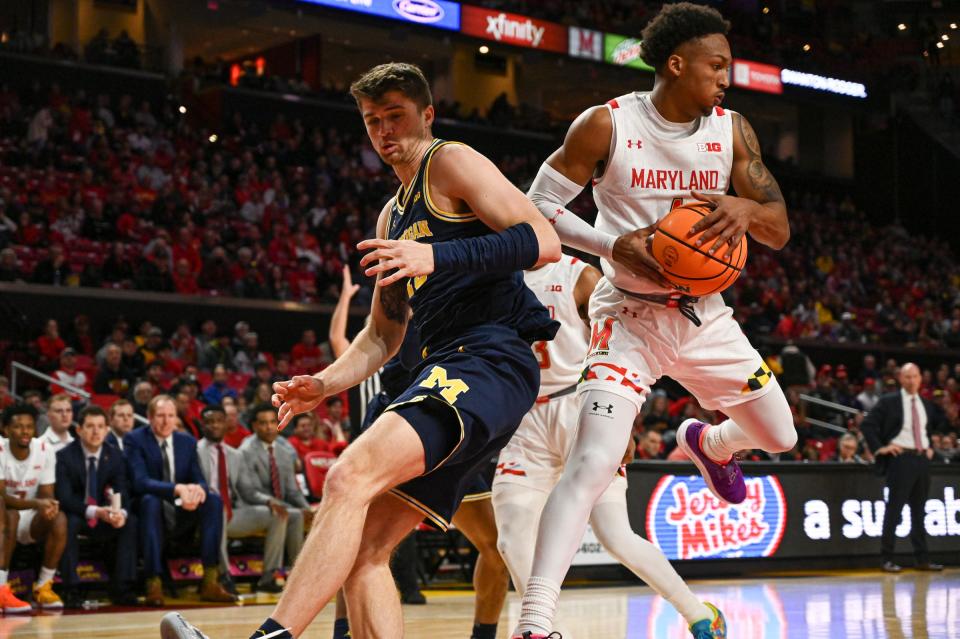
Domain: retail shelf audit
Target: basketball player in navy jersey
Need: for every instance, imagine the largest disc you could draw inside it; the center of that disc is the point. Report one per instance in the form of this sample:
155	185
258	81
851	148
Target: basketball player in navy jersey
646	153
451	247
474	518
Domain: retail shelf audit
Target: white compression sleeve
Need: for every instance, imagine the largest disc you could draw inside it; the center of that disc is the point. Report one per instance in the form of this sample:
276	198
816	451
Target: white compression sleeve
550	192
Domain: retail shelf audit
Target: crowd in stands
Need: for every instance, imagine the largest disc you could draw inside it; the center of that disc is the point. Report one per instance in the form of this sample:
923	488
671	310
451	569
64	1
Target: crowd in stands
98	191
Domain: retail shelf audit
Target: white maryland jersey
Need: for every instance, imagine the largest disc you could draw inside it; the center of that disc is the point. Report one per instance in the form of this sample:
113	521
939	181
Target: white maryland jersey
561	359
652	167
24	477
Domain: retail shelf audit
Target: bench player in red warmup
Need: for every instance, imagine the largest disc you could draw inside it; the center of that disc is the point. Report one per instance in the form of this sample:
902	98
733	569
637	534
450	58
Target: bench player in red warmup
646	153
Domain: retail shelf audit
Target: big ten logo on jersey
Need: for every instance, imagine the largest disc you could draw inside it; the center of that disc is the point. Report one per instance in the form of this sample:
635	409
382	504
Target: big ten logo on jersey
709	147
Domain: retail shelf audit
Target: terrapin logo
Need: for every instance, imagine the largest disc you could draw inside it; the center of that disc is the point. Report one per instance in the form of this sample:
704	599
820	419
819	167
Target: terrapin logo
688	522
424	11
626	52
670	256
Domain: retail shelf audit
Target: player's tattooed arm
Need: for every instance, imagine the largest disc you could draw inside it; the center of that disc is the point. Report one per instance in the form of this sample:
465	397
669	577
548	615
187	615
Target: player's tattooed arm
761	180
393	301
757	209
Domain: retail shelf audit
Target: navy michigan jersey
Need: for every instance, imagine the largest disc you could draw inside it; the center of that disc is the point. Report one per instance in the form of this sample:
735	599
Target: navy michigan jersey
476	376
444	303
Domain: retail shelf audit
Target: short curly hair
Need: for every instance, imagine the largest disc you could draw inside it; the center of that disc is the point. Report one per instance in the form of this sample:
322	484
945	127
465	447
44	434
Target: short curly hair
676	24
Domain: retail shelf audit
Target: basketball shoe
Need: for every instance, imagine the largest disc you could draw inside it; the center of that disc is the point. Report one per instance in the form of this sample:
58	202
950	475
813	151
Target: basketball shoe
715	628
724	480
174	626
9	602
530	635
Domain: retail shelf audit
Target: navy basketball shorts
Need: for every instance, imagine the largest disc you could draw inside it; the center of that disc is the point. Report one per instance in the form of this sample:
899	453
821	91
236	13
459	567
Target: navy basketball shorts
465	403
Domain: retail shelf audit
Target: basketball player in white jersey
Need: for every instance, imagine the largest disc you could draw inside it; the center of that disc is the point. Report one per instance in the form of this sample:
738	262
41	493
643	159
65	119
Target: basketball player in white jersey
27	466
530	465
646	153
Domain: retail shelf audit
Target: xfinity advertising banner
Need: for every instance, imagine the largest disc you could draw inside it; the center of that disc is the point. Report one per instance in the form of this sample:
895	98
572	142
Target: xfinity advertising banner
623	51
431	13
791	511
510	28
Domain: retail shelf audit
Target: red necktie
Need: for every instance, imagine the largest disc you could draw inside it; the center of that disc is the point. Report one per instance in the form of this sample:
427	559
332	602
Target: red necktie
274	475
915	415
224	482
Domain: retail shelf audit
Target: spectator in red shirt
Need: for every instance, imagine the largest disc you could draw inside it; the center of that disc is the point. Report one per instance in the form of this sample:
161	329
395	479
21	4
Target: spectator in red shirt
50	345
184	280
304	438
68	374
236	432
650	445
334	426
306	355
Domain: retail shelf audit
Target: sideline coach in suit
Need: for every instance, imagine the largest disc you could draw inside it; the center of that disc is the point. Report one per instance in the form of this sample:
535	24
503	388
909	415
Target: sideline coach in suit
898	431
164	467
88	473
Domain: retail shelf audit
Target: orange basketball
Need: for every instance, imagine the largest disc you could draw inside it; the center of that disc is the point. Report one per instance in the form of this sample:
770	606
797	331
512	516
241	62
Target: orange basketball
691	268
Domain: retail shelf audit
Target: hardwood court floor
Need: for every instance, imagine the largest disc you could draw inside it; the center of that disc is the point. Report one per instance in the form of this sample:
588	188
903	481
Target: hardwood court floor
843	605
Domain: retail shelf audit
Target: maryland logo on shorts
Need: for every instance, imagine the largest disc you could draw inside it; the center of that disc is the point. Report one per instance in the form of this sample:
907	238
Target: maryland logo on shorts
758	380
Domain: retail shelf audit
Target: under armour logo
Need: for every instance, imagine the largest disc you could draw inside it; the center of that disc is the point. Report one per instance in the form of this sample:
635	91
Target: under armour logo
597	407
634	143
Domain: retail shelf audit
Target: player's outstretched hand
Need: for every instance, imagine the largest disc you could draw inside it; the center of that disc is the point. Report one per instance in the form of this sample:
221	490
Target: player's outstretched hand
633	251
727	224
348	289
409	258
301	394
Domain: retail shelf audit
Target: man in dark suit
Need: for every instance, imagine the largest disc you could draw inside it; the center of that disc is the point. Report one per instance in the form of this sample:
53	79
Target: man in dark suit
174	498
93	492
121	422
898	431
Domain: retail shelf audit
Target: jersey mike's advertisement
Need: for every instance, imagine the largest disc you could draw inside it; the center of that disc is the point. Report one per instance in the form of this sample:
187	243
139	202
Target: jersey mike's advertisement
791	512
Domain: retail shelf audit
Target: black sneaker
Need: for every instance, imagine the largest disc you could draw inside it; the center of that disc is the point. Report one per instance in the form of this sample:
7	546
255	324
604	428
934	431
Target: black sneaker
271	587
174	626
414	598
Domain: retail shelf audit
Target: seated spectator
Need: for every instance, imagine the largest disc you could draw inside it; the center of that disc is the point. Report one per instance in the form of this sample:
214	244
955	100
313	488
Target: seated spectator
226	472
306	356
68	374
272	468
217	352
121	422
214	393
142	394
246	360
847	450
263	376
132	359
304	439
113	378
6	399
236	432
60	419
869	397
33	514
91	486
335	426
649	446
9	269
50	345
188	412
54	270
164	467
152	344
